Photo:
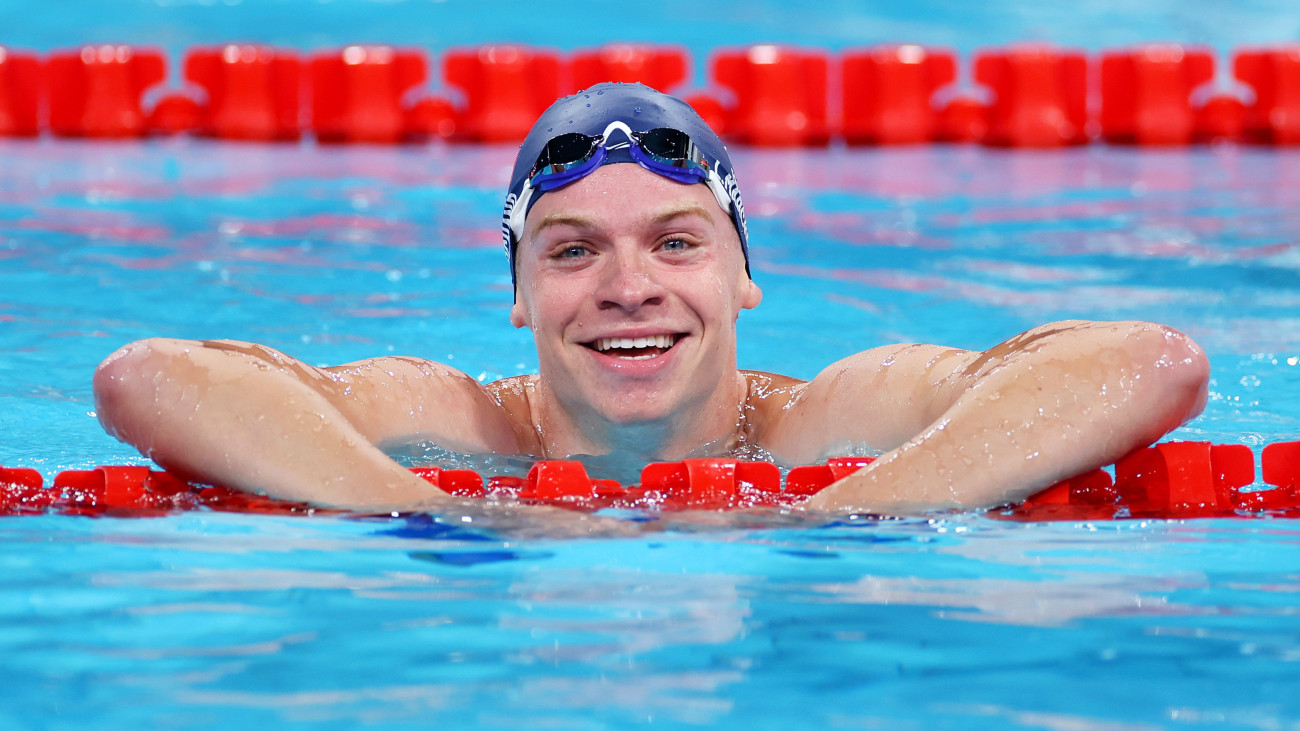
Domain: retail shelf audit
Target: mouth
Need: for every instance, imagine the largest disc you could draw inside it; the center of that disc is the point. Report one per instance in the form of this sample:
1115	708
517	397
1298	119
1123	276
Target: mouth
643	348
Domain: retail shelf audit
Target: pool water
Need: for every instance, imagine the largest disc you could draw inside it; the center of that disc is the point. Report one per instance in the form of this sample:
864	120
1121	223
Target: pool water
764	621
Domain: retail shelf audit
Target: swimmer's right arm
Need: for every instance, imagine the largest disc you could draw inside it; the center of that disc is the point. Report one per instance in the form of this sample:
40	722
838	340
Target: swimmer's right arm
249	417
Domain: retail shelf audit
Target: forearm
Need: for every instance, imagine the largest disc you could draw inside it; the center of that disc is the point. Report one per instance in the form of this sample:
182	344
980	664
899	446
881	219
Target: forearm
1029	415
234	419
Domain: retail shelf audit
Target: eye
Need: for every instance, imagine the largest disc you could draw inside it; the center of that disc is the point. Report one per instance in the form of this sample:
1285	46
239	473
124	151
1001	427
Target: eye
675	245
572	252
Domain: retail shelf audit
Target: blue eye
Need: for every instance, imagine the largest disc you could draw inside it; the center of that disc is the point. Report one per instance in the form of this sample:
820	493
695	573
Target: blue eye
675	245
573	252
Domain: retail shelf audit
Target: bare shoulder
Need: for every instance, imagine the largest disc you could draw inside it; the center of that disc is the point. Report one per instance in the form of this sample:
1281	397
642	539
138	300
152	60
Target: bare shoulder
877	398
415	398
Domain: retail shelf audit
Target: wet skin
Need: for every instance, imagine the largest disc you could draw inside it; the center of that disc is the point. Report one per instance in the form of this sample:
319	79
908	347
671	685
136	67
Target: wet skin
620	255
625	254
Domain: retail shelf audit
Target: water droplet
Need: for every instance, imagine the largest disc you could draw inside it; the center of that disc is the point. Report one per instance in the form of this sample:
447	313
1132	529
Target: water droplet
588	105
636	110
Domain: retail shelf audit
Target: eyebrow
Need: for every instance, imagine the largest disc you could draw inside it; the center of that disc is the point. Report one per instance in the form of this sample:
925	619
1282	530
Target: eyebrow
587	222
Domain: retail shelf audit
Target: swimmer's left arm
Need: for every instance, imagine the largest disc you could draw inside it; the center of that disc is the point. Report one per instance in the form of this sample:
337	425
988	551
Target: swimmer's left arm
969	429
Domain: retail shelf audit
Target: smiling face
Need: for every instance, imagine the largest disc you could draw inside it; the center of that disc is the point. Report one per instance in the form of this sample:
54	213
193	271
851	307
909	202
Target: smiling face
631	284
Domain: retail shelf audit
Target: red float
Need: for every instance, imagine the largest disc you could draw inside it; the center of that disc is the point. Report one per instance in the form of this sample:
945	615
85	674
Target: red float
253	92
358	93
97	91
506	89
1146	94
1040	96
780	95
174	114
963	120
21	88
1221	119
1274	74
889	94
658	67
812	479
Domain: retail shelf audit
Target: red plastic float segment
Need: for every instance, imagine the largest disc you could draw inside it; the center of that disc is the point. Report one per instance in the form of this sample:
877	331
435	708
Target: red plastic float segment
461	483
358	93
1146	94
21	477
1090	489
1040	96
22	490
1280	463
21	90
812	479
711	483
658	67
1182	478
562	481
173	114
1222	118
253	92
1274	74
963	120
889	93
780	95
1089	496
97	91
506	88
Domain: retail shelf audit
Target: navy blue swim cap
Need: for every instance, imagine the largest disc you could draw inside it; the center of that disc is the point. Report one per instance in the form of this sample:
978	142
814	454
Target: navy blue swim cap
640	109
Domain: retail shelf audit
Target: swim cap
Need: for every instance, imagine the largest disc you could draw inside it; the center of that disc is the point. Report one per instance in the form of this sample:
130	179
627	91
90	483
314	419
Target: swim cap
640	109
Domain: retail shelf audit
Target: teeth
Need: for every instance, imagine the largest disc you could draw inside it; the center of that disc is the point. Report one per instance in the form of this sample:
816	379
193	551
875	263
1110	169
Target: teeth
657	341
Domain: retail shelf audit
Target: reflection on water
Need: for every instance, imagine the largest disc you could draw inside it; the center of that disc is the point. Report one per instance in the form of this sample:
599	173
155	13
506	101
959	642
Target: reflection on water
954	620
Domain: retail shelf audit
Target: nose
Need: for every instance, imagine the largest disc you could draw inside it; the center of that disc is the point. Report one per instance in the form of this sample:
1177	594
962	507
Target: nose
629	282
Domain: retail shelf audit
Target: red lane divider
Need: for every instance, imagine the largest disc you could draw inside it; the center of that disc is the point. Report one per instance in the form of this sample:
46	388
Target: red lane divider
889	93
358	93
506	88
1040	96
1022	96
98	91
253	93
1168	480
1274	75
1146	94
780	95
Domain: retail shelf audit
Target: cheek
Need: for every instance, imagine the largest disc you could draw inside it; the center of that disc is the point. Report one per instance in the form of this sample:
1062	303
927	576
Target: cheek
549	307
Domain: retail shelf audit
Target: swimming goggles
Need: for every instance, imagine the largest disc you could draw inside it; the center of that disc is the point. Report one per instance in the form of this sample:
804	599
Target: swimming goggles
571	156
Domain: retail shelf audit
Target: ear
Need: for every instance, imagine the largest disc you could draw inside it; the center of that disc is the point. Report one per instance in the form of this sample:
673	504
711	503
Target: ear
750	294
518	314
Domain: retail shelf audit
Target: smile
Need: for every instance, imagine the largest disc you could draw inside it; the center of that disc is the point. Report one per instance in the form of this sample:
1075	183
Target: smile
643	348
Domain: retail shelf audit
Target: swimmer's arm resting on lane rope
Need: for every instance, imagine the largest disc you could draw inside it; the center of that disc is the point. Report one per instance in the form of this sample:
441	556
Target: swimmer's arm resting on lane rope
967	429
250	417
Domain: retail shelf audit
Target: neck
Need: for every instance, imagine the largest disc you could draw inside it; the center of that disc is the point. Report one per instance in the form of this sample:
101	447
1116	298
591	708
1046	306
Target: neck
709	426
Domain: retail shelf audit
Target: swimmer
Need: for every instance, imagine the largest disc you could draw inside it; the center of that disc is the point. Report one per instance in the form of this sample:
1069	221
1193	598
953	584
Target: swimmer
627	243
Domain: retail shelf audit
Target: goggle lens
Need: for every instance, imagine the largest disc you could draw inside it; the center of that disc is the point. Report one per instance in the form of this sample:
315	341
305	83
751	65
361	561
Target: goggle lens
671	147
564	151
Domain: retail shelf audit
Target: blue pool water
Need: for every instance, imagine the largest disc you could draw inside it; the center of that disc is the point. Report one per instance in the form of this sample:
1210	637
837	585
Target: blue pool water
951	621
335	254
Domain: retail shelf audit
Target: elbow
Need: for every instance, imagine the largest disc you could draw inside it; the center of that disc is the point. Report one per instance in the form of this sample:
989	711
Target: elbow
126	381
1178	371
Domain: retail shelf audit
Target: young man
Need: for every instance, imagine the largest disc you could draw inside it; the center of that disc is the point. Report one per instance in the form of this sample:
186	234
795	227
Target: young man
627	241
